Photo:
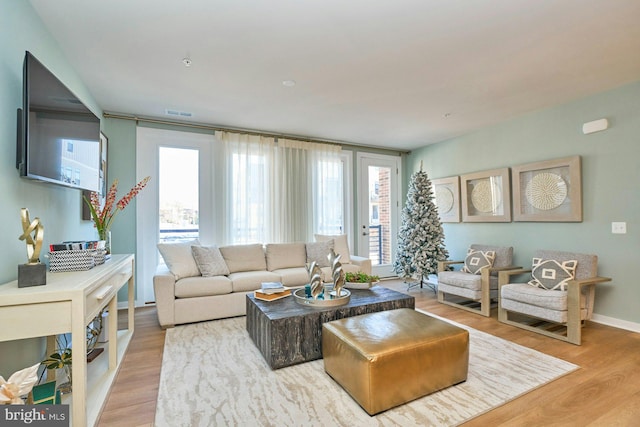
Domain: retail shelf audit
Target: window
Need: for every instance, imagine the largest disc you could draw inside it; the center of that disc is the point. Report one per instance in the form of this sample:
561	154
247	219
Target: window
178	193
249	203
328	191
282	191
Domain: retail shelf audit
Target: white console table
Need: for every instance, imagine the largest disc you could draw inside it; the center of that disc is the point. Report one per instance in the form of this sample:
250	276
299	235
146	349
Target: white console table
67	303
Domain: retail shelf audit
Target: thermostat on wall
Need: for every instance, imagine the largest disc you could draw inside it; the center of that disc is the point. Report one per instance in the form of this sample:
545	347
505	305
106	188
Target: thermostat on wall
595	126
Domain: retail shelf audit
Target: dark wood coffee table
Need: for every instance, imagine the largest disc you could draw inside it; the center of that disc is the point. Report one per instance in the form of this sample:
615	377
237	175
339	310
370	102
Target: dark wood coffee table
287	333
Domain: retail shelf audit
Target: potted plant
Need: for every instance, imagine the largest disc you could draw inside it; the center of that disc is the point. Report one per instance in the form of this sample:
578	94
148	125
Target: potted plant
360	280
103	216
61	359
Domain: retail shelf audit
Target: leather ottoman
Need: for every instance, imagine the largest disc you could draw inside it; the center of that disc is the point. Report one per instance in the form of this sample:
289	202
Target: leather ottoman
391	357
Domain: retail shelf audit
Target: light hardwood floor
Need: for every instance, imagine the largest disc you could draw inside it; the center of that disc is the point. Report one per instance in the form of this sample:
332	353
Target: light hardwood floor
604	392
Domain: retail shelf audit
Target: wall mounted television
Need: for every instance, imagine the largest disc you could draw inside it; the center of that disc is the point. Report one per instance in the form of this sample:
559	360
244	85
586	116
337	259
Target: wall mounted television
58	136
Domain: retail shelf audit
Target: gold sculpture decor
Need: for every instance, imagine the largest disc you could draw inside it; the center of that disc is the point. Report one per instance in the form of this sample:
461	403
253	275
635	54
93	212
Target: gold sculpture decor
33	273
34	243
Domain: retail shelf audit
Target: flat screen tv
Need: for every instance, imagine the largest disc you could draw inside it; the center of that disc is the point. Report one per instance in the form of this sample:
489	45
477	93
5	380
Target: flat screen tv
58	136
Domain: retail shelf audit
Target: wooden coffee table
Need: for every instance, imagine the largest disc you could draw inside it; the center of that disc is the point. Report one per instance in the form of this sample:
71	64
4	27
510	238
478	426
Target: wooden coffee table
288	333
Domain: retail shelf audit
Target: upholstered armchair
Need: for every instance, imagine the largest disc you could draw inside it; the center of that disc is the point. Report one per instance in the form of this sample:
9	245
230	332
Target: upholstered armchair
475	285
557	300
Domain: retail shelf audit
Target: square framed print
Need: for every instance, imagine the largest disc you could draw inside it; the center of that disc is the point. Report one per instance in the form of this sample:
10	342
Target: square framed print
486	196
548	191
446	195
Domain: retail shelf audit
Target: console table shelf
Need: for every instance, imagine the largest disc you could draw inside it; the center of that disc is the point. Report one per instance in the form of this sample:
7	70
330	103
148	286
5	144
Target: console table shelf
67	303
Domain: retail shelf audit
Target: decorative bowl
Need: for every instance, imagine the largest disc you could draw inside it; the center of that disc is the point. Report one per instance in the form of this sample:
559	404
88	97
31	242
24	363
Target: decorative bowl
333	301
360	285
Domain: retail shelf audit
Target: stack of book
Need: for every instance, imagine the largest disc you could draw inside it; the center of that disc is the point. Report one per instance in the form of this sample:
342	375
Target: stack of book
76	245
272	291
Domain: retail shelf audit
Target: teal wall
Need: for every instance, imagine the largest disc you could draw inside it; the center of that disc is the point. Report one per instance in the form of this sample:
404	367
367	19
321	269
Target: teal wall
58	208
610	180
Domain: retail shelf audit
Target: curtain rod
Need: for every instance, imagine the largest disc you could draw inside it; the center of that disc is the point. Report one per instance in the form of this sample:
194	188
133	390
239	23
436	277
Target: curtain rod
107	115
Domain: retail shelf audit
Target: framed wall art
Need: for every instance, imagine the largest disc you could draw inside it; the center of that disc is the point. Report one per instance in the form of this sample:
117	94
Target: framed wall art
446	194
104	142
486	196
548	191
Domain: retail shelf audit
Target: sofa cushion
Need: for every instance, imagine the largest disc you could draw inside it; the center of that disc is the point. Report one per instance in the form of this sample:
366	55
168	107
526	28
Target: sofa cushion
476	261
461	280
340	245
209	260
551	274
319	252
244	257
296	276
538	302
190	287
245	281
179	258
285	255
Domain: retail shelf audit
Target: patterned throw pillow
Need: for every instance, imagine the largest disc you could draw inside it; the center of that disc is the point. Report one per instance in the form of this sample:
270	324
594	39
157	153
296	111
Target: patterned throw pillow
476	261
318	252
552	275
210	261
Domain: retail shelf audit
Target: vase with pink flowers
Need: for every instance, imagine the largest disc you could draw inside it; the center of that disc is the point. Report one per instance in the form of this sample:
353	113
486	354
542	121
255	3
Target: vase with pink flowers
103	216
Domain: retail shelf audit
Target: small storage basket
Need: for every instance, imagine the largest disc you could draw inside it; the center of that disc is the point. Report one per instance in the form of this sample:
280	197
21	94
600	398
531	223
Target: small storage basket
100	256
72	260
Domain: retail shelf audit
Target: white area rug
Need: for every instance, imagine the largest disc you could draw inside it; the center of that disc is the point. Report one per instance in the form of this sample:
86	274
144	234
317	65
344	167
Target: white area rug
213	375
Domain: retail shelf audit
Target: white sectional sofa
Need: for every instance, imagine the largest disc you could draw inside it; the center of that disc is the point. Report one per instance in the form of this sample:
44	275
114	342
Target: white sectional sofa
205	282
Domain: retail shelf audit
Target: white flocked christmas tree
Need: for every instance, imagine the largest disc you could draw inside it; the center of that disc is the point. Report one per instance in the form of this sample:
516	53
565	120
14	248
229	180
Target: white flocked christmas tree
421	238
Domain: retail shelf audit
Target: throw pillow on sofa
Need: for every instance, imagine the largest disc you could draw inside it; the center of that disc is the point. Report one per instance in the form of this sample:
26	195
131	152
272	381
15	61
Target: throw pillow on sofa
340	246
319	252
179	258
210	261
244	257
285	255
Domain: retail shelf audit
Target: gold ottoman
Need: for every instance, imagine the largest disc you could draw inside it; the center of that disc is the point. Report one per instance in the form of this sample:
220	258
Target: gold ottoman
388	358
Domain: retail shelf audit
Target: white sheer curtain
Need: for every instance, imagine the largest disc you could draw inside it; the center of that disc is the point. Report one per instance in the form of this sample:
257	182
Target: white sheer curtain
328	203
309	190
248	188
282	191
293	191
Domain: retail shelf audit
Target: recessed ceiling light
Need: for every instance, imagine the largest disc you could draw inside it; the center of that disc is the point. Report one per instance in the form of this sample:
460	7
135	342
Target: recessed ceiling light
186	62
288	83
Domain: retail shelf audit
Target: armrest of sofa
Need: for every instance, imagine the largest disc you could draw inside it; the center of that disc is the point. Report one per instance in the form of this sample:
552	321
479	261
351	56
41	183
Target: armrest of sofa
363	263
164	285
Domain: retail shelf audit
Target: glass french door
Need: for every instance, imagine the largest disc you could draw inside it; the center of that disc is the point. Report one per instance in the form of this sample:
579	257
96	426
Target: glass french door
378	210
176	206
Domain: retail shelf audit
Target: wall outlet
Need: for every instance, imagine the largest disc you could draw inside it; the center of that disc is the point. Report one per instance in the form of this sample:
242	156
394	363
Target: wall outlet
619	227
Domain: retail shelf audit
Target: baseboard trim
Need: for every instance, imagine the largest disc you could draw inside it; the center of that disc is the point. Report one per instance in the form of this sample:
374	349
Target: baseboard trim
616	323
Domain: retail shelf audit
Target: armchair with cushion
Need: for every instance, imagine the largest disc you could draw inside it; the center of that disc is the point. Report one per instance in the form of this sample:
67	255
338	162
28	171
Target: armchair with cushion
557	300
474	286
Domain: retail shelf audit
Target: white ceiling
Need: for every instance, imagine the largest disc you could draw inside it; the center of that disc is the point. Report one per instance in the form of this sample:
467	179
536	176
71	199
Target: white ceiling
375	72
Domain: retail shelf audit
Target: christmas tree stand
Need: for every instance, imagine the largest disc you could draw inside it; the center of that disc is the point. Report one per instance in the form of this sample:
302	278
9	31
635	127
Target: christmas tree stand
431	282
